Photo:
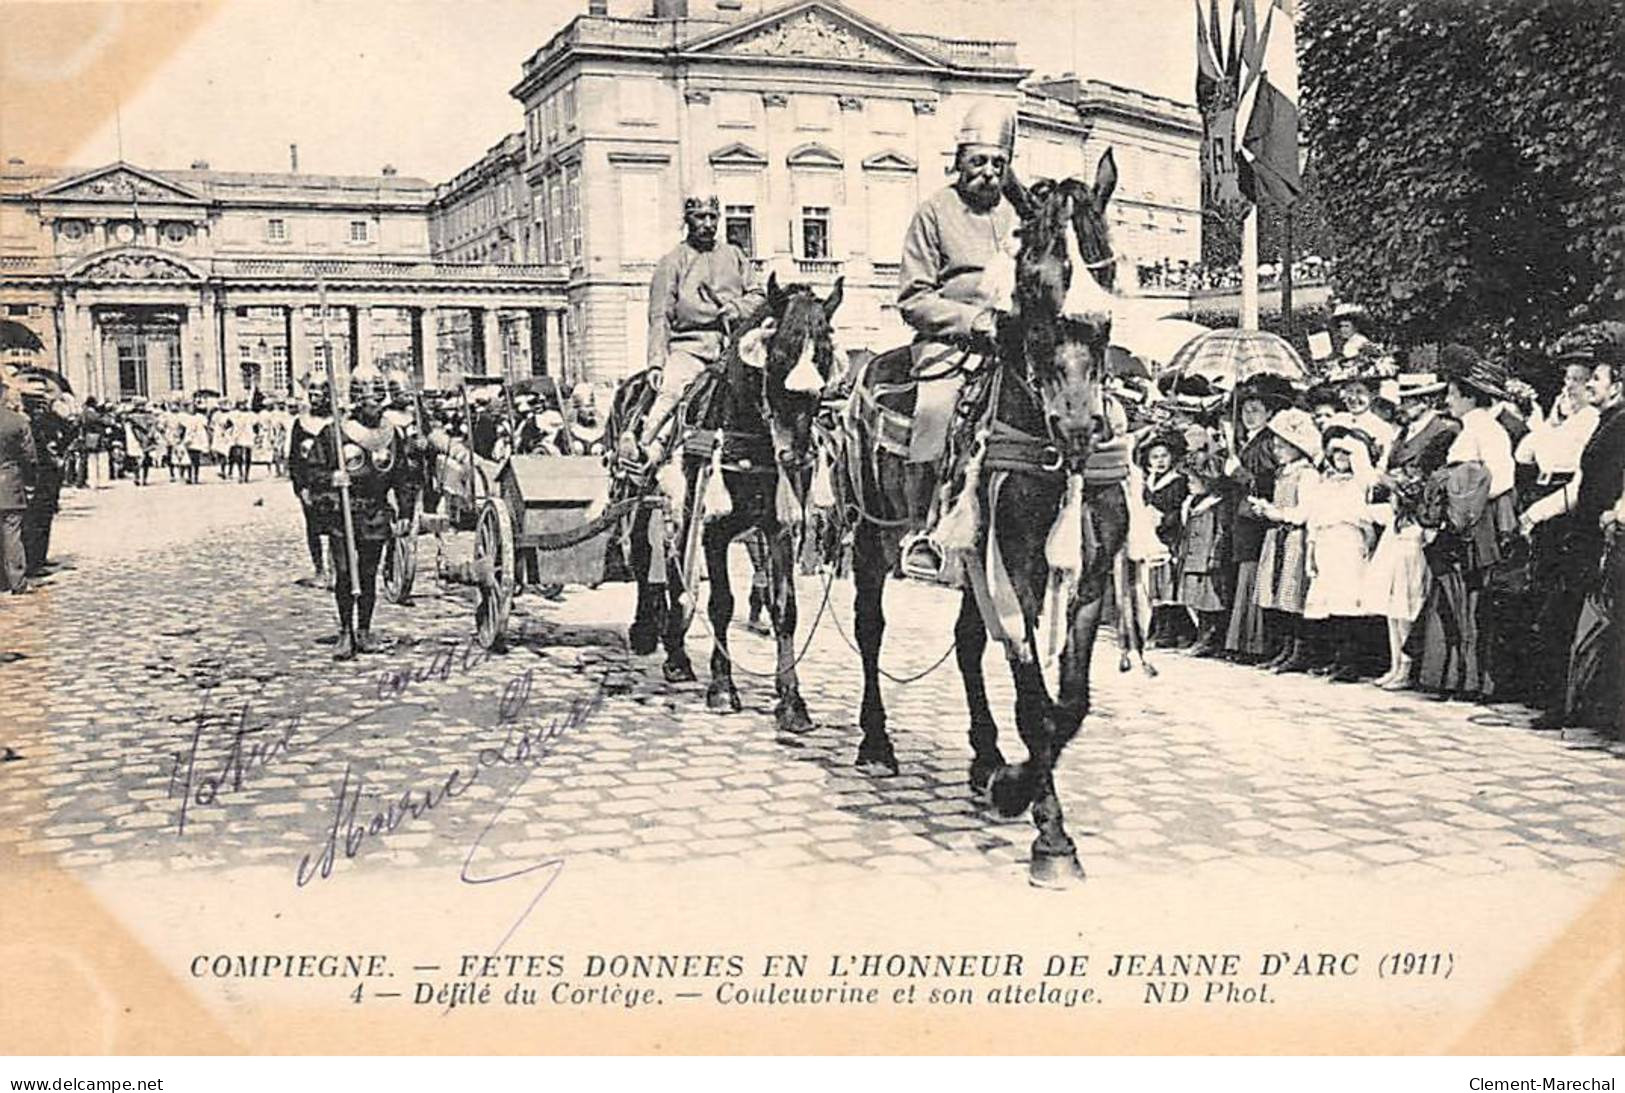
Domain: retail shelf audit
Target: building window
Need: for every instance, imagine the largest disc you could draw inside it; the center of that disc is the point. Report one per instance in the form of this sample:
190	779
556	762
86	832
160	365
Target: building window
555	219
569	108
176	233
551	109
17	310
132	370
815	232
281	377
72	229
359	231
173	370
276	230
739	227
572	199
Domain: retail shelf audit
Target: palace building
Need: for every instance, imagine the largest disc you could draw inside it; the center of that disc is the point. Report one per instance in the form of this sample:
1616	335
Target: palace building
820	130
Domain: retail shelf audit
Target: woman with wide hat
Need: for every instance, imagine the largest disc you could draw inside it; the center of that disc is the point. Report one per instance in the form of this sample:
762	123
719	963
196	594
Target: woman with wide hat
1251	468
1470	504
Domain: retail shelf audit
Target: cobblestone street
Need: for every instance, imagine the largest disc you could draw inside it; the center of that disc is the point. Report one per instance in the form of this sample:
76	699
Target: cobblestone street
177	609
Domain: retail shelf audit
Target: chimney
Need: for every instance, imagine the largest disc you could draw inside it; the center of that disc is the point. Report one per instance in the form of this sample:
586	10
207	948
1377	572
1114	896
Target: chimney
293	158
597	7
14	161
389	170
671	9
200	165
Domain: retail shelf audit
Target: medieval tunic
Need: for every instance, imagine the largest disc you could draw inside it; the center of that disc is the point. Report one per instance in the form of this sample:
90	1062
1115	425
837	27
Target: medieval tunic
1203	550
1282	577
942	288
680	315
1397	578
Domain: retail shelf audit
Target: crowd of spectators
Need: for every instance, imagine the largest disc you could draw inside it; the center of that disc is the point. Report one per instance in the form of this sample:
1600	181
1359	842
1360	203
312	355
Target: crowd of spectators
1448	532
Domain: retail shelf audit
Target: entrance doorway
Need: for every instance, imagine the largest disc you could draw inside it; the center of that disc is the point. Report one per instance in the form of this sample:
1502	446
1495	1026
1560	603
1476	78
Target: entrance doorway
141	347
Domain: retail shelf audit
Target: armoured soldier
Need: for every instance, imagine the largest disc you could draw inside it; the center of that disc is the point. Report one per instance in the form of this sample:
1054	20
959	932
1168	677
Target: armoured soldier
376	468
303	469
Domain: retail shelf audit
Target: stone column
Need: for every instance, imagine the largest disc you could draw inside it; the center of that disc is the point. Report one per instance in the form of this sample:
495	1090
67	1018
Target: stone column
362	331
231	359
213	354
300	359
426	329
553	323
193	336
490	334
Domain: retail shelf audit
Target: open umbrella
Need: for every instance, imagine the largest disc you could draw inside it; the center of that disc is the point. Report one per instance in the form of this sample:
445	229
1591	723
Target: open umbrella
1156	339
14	335
1228	357
34	380
1120	362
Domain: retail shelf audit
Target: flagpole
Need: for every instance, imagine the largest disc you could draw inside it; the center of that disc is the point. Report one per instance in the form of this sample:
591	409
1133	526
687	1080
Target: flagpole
1286	270
1249	269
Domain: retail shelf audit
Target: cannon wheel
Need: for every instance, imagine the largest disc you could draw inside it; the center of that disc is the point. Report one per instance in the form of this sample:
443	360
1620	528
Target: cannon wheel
401	558
494	571
693	544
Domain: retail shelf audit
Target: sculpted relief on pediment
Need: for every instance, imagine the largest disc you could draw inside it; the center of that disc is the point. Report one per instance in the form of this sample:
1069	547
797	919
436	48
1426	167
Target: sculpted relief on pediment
135	267
121	185
815	35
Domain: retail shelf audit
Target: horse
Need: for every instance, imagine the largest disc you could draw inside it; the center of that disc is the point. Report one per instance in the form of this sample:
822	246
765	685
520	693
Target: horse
761	412
1047	512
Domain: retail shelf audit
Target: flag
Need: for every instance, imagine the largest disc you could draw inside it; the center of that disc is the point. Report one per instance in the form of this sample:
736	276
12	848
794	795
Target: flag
1271	138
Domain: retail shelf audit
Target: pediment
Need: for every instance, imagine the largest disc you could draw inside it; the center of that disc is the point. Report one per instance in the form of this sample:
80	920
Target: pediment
120	182
815	31
134	265
890	160
738	155
813	155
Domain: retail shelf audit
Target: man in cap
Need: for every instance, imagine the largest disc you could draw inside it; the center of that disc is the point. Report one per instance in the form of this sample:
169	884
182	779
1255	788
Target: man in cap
699	288
956	255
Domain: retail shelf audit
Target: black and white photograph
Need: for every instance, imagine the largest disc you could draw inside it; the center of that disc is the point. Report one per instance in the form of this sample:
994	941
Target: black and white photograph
827	527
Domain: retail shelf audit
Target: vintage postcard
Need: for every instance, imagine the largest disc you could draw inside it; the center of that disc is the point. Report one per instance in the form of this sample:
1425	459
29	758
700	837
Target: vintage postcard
823	526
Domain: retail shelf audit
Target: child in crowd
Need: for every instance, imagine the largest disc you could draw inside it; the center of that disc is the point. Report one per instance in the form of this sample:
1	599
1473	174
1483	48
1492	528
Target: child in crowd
1342	532
1204	549
1282	578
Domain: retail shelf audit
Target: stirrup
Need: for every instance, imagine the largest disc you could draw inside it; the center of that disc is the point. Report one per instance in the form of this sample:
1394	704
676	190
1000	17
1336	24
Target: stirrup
923	558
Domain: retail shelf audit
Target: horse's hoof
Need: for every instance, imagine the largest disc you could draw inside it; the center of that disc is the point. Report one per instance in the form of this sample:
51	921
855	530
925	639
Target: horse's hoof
793	719
876	759
722	698
1150	669
642	642
981	783
1055	873
1123	663
678	671
1009	791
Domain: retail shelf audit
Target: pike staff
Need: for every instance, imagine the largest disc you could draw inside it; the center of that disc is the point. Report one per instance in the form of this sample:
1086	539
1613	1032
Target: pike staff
341	477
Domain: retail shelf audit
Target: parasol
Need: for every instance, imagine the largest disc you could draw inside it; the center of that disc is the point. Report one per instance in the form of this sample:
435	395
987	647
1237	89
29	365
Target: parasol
1154	339
14	335
1228	357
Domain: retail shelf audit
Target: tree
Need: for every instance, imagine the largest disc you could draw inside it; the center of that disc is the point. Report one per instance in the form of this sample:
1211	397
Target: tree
1470	161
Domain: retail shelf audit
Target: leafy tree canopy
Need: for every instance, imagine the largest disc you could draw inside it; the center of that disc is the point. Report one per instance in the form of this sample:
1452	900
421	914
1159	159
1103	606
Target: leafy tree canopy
1471	161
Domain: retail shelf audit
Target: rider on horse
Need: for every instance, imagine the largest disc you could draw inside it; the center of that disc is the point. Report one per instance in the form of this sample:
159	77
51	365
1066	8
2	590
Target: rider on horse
700	289
956	265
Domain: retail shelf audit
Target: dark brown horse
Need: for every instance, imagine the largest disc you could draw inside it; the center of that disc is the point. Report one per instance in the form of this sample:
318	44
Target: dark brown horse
762	409
775	383
1049	511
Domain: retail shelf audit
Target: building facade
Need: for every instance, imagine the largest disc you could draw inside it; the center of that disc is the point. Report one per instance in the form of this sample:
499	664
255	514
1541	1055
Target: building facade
141	283
820	130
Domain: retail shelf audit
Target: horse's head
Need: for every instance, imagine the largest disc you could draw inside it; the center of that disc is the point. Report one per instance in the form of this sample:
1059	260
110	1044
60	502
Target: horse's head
796	353
1062	314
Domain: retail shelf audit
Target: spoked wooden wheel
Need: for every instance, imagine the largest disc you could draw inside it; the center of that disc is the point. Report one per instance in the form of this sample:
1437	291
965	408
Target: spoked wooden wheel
693	532
401	558
493	572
